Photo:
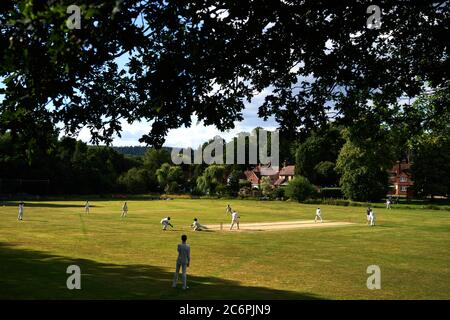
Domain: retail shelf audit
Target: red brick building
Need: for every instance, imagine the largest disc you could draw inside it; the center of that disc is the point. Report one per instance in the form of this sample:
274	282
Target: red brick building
277	177
286	174
400	179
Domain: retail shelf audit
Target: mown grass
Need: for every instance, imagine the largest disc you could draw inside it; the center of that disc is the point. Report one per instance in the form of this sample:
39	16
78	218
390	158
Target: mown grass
133	258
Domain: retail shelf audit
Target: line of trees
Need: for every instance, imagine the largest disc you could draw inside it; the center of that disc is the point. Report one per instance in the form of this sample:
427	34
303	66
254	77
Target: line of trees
334	157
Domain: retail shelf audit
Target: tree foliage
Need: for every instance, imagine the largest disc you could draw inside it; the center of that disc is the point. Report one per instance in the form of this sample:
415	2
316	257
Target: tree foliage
431	166
364	167
299	188
316	156
170	178
212	177
135	180
316	59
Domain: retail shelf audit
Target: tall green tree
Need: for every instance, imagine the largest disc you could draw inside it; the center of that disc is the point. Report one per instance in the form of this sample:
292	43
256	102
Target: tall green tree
364	167
170	178
431	166
212	177
152	161
316	157
135	180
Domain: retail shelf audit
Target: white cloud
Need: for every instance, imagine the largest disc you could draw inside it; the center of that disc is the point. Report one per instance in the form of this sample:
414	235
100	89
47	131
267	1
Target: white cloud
198	133
195	135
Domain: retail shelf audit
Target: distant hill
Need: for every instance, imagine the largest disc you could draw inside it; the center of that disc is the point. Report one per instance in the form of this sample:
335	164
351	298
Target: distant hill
135	150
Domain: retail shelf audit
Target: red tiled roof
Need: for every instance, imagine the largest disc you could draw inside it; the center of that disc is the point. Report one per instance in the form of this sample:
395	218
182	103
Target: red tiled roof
251	176
287	171
279	181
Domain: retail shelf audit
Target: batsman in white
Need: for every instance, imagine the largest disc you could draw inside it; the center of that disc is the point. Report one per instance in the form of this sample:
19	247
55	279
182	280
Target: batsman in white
166	222
183	260
124	210
234	220
318	215
86	206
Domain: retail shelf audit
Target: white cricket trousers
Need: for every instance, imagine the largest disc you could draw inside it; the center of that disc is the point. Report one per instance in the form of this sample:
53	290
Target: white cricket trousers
177	271
233	223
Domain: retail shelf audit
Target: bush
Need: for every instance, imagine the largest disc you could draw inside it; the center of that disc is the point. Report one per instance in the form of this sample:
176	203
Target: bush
222	190
245	192
335	193
299	188
243	184
278	193
196	191
175	196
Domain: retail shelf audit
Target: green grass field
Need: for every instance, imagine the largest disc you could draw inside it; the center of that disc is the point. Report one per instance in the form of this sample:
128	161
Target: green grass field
133	258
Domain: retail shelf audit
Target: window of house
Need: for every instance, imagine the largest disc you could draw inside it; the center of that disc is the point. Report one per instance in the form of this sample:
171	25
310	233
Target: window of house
404	188
403	179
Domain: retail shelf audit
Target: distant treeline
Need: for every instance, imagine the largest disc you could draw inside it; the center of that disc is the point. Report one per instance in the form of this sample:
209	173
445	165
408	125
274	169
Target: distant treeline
135	150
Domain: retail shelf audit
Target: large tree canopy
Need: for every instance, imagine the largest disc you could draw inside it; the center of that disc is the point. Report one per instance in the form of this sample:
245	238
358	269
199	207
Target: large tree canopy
316	58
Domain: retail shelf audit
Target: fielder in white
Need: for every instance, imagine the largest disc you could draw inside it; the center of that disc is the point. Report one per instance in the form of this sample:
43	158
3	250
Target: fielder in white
166	222
234	220
388	204
21	208
318	215
183	260
197	226
86	207
228	209
124	210
372	218
369	210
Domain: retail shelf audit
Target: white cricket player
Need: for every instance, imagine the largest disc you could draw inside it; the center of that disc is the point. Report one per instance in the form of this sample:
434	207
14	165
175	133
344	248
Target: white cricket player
197	226
318	215
369	210
372	218
234	220
124	210
21	208
388	204
183	260
86	206
228	210
166	222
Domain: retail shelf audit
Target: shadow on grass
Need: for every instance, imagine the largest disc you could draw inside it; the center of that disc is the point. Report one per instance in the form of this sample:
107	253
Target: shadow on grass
45	205
28	274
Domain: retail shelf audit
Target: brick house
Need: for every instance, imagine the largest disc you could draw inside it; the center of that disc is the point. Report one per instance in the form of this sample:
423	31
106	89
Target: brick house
400	179
277	177
286	174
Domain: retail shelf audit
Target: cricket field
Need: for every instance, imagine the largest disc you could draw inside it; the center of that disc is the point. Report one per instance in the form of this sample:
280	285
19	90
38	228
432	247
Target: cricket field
132	258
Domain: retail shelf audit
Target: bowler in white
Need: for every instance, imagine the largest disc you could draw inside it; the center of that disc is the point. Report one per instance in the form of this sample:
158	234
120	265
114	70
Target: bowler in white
234	220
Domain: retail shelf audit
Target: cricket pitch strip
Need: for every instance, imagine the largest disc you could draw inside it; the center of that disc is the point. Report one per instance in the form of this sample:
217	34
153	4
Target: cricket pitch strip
281	225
